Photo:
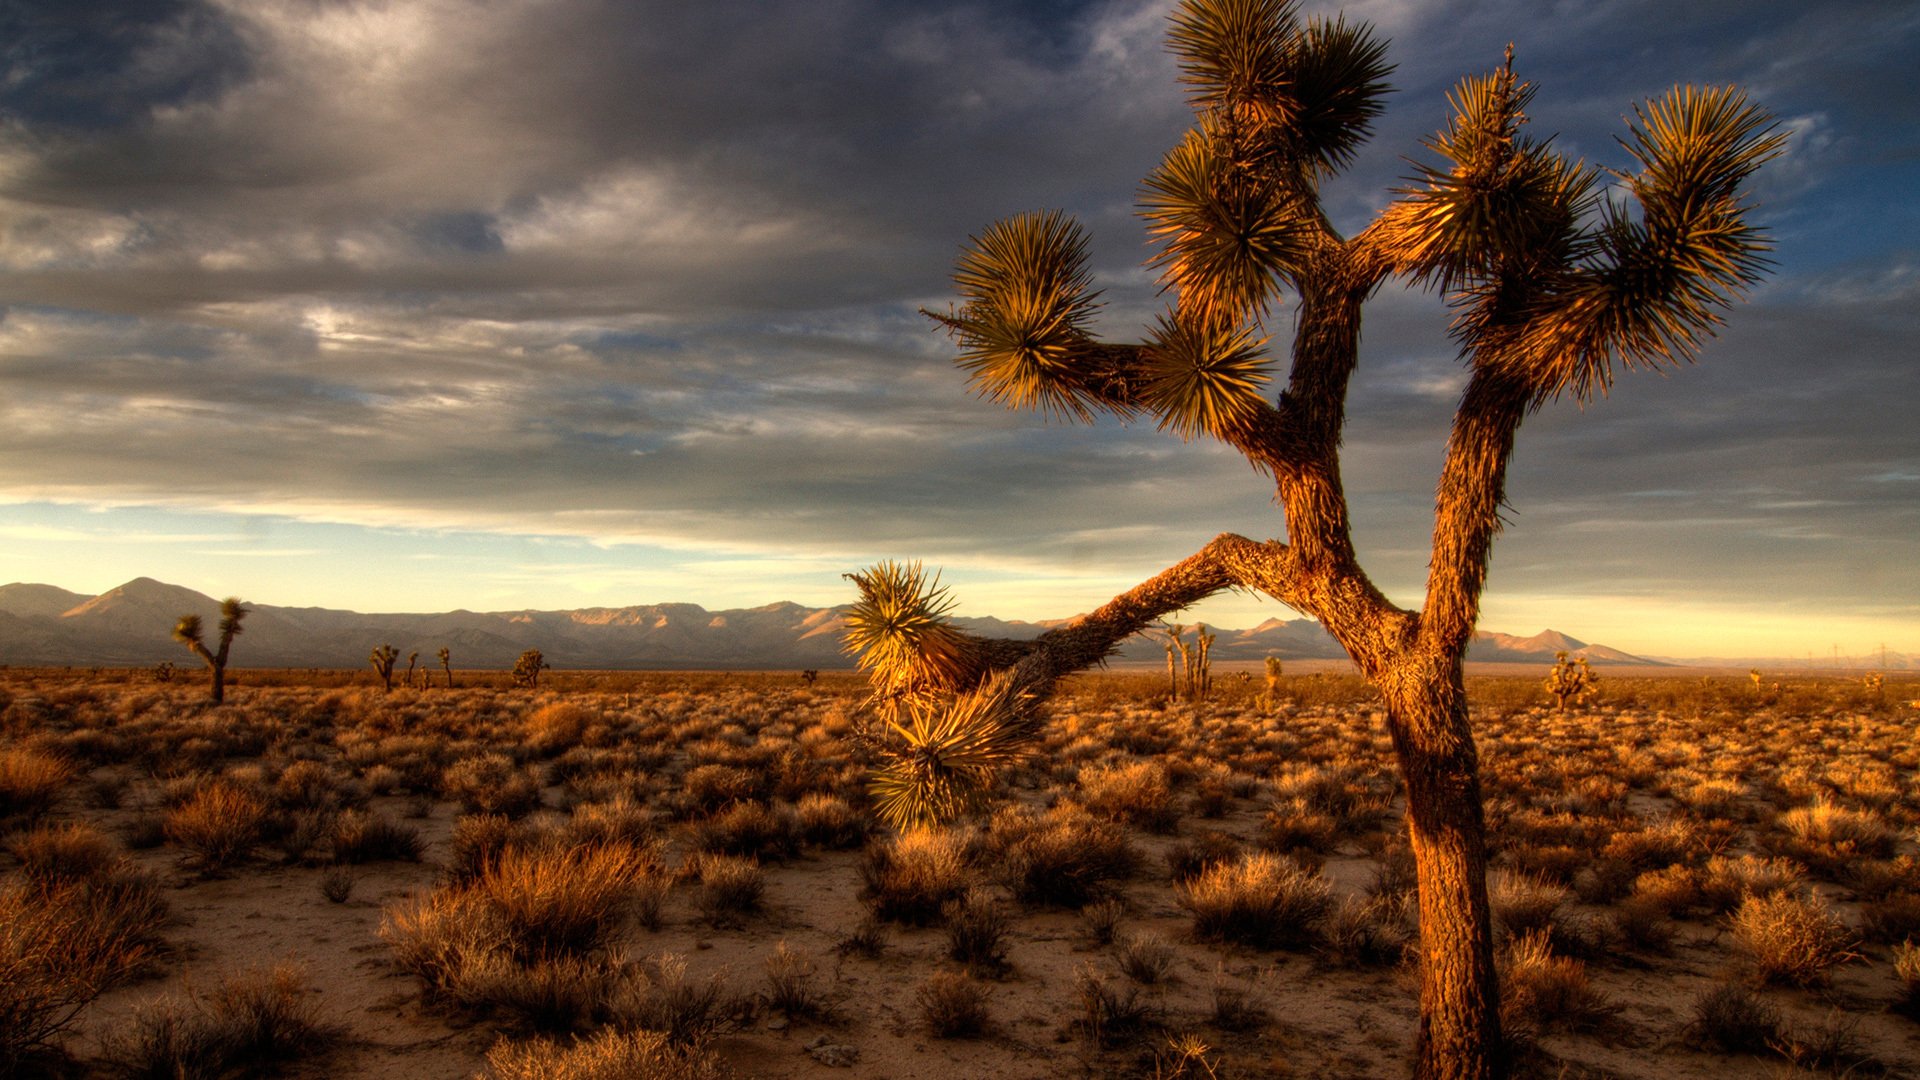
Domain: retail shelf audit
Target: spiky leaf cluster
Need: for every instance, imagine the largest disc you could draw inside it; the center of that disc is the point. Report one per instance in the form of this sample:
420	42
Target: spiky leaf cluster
1028	302
948	753
231	612
187	630
1202	380
899	634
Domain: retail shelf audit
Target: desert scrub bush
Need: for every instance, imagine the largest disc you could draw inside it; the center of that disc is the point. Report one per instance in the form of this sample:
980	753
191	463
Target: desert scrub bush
952	1005
1187	859
1731	1019
1111	1014
1366	932
52	855
976	931
1523	903
492	784
1906	968
29	782
1541	990
220	823
361	837
1725	881
1145	958
611	1054
1295	824
729	888
790	983
564	901
664	998
1138	793
1063	858
767	833
618	819
62	946
707	788
1890	920
1835	835
1262	900
555	727
1792	938
250	1024
911	877
478	840
828	821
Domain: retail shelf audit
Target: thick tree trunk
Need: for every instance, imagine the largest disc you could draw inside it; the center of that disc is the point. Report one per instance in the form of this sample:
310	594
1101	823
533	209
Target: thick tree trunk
219	683
1459	993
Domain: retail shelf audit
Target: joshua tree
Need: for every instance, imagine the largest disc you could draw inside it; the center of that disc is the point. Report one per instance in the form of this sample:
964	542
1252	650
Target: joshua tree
187	632
1552	285
1571	680
382	658
413	661
527	669
446	664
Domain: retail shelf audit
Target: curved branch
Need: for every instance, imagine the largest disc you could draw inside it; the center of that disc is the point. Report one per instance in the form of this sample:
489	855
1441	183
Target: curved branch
1466	514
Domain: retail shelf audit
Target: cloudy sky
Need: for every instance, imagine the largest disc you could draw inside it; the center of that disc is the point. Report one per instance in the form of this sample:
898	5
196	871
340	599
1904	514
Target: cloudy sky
420	304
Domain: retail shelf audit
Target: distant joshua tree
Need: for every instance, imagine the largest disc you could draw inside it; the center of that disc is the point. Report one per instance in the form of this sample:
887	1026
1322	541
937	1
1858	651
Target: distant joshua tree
1571	681
446	664
413	661
1558	273
527	669
163	672
187	632
382	658
809	677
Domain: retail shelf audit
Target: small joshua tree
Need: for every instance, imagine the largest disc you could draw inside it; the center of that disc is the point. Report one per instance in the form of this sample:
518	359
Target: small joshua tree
413	661
446	664
527	669
187	632
1571	681
382	658
1558	274
163	672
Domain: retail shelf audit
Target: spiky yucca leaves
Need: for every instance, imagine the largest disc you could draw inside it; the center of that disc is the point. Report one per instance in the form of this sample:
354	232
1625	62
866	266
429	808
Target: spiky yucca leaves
1547	297
899	634
1028	302
1202	379
1302	96
948	754
1227	241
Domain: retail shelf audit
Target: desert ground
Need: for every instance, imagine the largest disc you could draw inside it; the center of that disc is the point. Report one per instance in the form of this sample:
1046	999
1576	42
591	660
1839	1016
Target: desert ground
678	875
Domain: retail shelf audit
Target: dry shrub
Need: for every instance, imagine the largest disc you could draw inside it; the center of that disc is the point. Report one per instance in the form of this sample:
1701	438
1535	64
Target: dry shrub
749	828
30	781
711	787
619	819
52	855
308	785
248	1025
952	1005
1187	859
361	837
976	931
491	784
790	983
1838	834
911	877
1103	919
560	901
1523	904
62	946
1145	958
1110	1014
1731	1019
730	887
1138	794
1725	882
1367	932
1890	920
663	998
555	727
1262	900
1294	824
1064	858
828	821
1792	938
478	840
1906	968
220	823
1542	990
611	1054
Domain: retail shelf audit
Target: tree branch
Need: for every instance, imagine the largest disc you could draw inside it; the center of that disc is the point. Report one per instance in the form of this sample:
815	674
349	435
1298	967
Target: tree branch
1467	505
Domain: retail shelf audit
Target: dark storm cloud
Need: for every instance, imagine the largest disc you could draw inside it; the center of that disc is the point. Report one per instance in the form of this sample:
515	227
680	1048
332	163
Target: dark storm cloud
648	271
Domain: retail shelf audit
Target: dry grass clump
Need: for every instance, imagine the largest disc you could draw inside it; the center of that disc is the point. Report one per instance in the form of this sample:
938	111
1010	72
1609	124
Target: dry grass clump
52	855
492	784
1187	859
1262	900
952	1005
790	983
534	934
63	944
1792	938
362	837
251	1024
1540	990
976	931
829	821
1063	858
911	878
1113	1014
1138	793
610	1054
1523	904
29	782
555	727
220	823
1367	932
730	887
1145	958
767	833
1726	881
1835	835
710	787
1732	1019
662	997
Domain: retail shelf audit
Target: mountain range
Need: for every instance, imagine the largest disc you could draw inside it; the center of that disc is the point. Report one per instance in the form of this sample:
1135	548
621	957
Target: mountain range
43	625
